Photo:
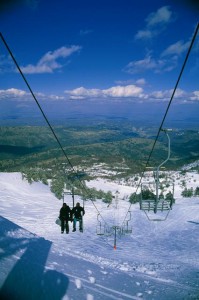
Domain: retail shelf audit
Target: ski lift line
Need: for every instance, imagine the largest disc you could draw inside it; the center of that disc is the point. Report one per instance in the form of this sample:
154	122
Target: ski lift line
45	117
167	109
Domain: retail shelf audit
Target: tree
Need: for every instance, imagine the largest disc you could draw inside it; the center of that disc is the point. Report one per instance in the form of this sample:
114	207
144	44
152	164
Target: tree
187	192
108	197
183	183
147	194
196	193
134	198
57	187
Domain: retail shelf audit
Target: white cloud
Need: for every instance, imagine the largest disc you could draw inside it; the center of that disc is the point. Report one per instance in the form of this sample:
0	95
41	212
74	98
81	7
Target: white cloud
195	96
155	23
161	16
22	96
145	34
176	49
141	81
116	92
179	93
38	69
113	92
123	91
12	92
131	92
56	97
48	63
166	95
81	93
148	63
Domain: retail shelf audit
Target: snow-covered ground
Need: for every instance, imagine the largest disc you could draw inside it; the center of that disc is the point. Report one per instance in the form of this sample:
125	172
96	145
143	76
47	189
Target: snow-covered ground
158	260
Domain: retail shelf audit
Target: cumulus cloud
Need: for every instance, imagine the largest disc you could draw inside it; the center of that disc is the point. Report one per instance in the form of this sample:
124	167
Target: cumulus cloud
23	96
113	92
128	92
155	23
12	92
81	93
195	96
49	62
166	95
133	93
123	91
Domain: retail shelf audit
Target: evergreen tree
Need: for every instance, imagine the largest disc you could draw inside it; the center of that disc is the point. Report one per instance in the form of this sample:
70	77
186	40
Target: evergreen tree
196	193
134	198
147	194
108	197
57	187
187	193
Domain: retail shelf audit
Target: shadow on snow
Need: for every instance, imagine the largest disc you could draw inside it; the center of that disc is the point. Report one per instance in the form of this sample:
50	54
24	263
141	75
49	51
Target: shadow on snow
28	278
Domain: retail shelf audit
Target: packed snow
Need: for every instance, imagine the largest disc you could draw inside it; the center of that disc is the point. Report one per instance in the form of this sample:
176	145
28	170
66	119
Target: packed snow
156	260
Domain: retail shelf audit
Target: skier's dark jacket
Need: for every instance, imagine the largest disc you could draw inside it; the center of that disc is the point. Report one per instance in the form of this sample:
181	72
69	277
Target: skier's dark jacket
64	213
77	211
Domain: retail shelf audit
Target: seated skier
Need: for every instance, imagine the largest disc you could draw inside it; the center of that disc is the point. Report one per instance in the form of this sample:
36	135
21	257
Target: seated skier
64	216
77	213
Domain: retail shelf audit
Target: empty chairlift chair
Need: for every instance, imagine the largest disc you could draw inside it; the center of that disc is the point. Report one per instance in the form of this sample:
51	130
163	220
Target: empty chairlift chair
100	228
152	198
127	228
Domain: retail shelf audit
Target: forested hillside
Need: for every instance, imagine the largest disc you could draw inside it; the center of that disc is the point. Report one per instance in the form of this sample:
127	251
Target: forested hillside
121	150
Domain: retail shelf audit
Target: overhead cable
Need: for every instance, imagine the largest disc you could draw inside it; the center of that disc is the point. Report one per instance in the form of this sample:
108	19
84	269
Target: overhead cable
47	121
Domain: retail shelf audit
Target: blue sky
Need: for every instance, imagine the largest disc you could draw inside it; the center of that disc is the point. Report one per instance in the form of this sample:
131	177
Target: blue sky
110	51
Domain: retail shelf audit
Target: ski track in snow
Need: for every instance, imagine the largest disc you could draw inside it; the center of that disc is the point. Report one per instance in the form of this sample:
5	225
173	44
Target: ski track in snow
158	260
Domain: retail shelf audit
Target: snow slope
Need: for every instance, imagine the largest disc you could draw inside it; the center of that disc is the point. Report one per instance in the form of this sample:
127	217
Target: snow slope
158	260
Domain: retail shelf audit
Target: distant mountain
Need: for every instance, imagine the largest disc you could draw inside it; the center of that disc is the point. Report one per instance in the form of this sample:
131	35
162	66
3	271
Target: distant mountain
113	142
65	113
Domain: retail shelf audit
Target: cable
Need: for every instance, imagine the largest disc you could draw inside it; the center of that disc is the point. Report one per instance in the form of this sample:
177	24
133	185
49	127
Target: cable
46	119
33	95
172	96
169	104
55	136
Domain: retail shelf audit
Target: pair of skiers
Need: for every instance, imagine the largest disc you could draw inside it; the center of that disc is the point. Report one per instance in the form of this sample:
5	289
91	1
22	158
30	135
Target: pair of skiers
74	215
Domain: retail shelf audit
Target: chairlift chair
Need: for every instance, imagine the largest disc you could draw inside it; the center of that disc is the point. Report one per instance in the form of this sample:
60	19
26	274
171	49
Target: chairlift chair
72	193
126	227
154	202
100	228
